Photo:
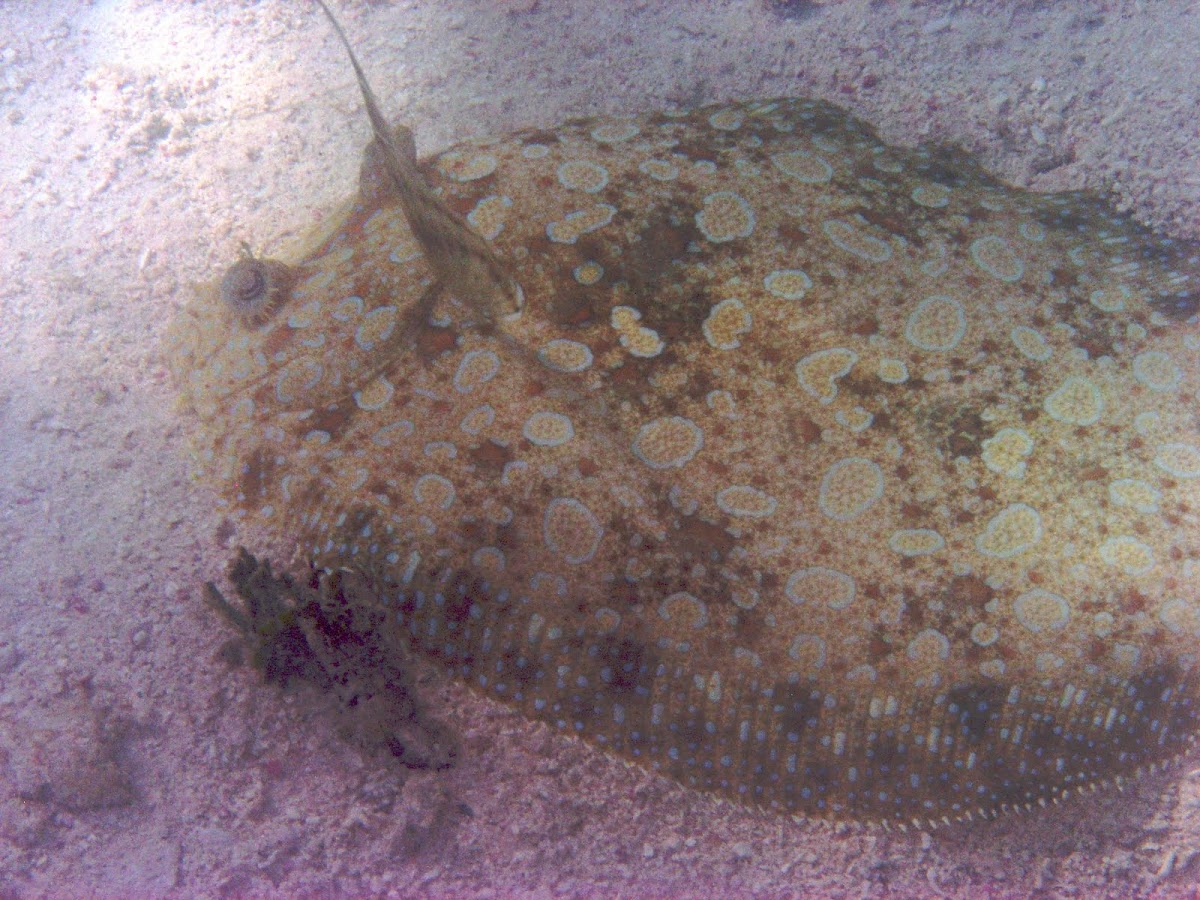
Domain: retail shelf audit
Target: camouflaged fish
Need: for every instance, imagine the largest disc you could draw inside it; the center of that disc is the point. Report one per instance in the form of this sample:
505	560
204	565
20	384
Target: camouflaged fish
831	477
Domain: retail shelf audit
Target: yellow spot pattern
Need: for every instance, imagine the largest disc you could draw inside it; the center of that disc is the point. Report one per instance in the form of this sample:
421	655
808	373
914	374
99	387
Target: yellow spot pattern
725	217
937	324
1005	454
637	339
668	443
1011	531
818	373
726	323
1077	402
790	284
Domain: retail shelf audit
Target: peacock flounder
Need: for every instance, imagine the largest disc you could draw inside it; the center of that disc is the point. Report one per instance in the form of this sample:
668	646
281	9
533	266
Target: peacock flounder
824	475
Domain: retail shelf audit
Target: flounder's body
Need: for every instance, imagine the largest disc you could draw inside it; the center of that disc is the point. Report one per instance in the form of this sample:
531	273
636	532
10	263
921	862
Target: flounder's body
828	476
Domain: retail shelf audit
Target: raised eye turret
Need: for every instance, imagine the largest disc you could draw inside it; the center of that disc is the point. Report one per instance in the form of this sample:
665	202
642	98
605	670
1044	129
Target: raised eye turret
255	288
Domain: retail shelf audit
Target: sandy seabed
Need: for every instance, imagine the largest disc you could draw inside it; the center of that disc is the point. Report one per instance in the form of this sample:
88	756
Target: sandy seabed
141	142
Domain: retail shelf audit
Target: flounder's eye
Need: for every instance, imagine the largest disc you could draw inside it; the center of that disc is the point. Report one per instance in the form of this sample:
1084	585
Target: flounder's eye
255	288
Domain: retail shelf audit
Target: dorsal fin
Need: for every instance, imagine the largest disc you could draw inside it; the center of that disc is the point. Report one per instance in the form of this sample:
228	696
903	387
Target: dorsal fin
461	259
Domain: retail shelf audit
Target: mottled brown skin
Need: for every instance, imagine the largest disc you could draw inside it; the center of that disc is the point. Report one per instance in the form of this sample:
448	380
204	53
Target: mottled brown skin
831	477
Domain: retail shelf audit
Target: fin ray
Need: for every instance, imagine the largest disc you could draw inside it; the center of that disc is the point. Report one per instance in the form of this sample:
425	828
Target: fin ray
461	259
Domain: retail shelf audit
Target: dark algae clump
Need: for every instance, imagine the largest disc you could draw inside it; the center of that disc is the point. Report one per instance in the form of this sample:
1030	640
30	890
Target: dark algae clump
317	634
